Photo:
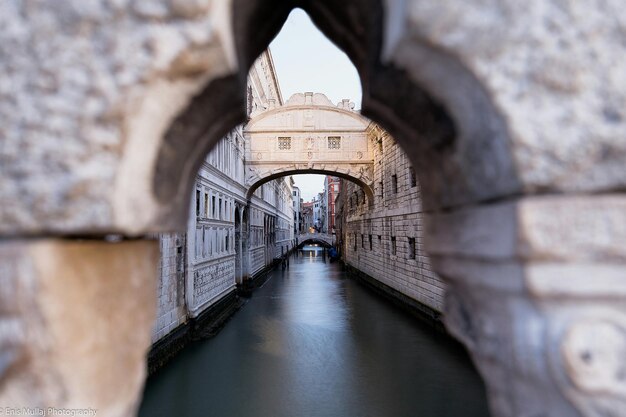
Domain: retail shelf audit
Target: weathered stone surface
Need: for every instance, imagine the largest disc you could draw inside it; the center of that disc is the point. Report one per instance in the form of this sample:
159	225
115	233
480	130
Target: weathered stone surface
506	335
88	89
593	352
551	71
536	291
554	281
545	344
75	321
547	228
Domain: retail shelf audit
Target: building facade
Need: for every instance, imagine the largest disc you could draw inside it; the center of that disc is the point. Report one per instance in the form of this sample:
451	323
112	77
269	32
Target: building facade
318	212
332	185
307	216
384	240
230	238
297	211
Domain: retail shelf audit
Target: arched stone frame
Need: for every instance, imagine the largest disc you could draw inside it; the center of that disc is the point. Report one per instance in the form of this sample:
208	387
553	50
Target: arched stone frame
478	158
421	125
461	160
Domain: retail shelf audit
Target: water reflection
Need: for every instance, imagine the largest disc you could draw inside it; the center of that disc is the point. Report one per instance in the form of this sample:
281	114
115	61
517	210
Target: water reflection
313	343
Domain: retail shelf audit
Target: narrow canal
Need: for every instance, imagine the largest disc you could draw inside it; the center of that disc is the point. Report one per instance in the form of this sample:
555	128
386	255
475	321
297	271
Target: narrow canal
312	342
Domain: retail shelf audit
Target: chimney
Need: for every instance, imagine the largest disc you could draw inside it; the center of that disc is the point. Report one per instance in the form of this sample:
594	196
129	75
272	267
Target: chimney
308	97
345	103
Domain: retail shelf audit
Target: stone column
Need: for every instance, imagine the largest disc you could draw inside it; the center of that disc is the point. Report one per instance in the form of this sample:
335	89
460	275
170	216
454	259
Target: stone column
537	293
75	323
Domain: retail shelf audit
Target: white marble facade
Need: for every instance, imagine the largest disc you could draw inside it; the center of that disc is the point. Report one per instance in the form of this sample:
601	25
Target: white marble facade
229	237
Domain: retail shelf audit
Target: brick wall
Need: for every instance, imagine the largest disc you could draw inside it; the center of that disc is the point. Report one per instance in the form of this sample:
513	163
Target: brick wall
393	225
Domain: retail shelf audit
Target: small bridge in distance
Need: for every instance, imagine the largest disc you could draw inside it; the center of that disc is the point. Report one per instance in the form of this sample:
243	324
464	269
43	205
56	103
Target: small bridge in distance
319	238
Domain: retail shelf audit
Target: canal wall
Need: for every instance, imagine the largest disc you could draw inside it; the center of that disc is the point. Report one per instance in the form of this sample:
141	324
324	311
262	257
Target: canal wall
184	328
382	238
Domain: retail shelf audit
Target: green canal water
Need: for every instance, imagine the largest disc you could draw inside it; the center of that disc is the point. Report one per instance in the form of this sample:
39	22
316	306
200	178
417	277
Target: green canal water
312	342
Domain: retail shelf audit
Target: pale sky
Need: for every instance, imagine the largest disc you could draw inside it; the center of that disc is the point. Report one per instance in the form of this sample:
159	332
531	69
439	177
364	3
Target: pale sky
305	60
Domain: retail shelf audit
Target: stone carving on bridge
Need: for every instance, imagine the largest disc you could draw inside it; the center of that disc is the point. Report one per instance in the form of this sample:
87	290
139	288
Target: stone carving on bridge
365	173
252	175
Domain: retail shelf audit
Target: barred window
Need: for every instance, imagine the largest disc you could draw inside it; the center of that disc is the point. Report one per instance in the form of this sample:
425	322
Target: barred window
284	143
334	142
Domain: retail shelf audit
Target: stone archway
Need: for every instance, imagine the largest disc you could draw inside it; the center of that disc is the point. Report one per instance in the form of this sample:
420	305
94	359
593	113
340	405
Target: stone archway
509	159
288	170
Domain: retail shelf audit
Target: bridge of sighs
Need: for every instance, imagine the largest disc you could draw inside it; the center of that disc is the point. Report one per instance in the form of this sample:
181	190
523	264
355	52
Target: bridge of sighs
309	135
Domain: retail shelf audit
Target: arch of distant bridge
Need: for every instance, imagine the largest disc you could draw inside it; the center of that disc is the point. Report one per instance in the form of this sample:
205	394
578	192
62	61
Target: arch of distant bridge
315	238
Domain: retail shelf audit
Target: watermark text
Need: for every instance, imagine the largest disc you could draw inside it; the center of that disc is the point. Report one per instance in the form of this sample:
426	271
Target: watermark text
48	411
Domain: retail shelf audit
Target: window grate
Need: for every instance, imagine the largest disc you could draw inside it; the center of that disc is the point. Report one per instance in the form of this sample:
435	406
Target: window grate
284	143
334	142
